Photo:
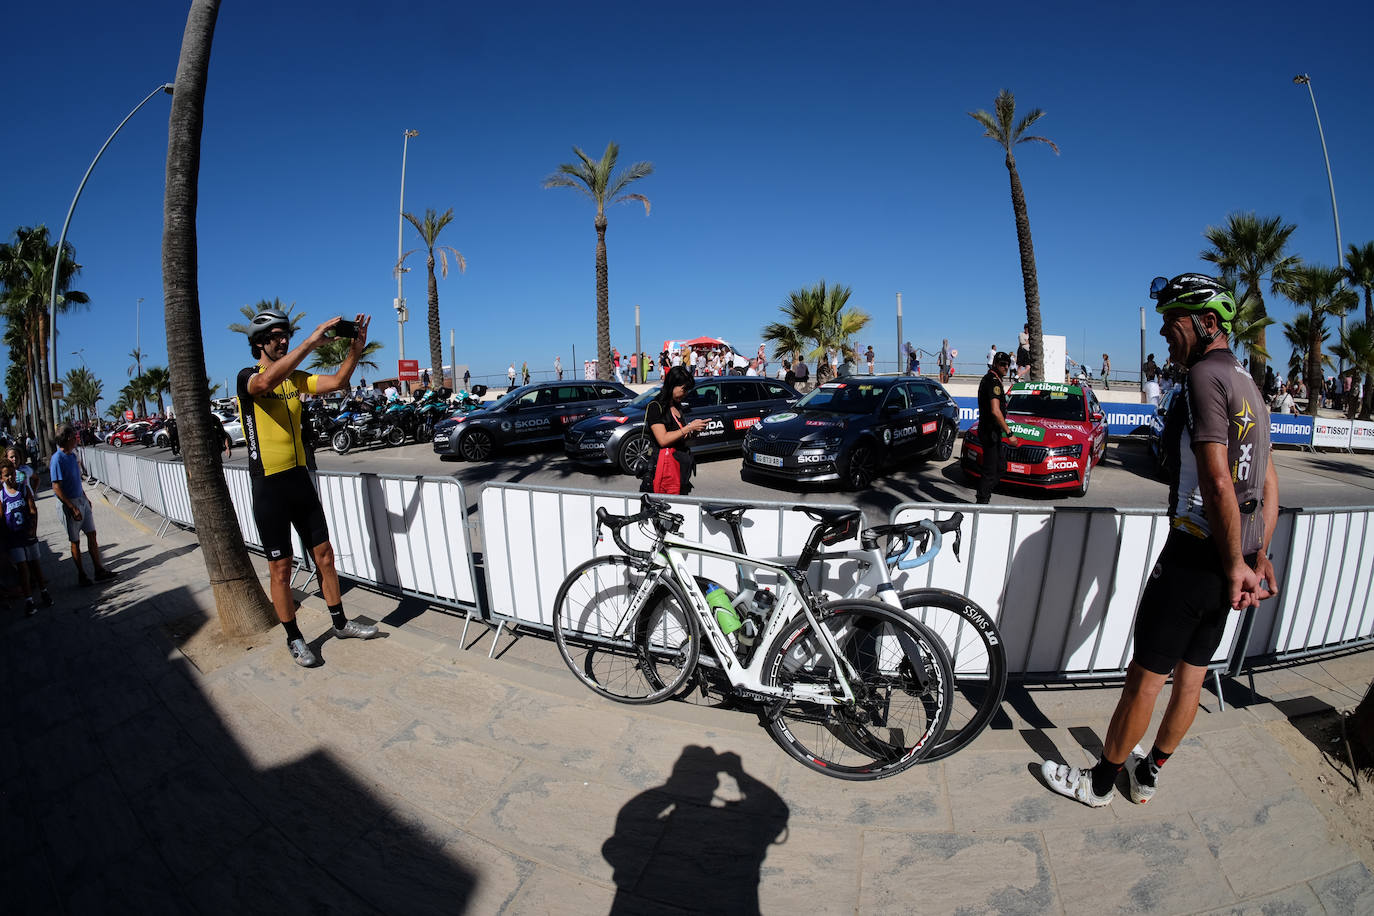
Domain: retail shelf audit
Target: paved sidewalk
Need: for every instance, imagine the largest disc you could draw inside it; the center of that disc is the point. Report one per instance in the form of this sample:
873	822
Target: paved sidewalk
413	775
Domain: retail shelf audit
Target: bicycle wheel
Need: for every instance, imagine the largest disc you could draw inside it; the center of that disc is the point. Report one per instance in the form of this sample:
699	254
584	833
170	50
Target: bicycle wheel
644	660
979	662
903	691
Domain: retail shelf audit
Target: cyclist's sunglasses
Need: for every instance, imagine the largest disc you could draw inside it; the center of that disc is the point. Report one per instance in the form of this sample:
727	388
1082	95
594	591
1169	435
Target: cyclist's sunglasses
1157	286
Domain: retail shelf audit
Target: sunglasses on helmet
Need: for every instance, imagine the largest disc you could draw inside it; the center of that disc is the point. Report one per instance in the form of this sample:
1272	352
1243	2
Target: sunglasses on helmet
1157	286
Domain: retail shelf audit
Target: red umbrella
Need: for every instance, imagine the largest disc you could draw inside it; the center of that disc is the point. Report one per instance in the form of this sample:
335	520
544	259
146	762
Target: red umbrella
705	342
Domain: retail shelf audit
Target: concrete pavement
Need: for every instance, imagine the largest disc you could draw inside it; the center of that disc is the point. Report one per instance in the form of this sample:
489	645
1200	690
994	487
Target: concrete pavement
411	774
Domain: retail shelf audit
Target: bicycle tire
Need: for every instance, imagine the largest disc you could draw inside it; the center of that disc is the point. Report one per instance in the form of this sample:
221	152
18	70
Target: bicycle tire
657	653
866	741
980	674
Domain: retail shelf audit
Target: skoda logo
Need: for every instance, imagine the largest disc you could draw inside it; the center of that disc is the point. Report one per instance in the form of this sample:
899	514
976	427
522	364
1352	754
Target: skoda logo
887	437
505	426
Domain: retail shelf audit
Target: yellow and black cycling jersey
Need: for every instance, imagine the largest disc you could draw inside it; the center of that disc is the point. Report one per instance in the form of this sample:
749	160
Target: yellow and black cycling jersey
272	422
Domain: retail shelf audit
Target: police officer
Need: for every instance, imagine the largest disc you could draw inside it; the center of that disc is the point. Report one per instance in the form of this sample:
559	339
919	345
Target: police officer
992	424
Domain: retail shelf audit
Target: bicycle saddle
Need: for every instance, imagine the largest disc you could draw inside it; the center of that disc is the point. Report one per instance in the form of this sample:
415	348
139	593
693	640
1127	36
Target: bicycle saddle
725	513
835	524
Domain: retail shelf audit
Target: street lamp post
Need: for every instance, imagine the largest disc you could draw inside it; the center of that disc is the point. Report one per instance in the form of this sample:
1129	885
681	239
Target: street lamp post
1302	79
61	239
400	271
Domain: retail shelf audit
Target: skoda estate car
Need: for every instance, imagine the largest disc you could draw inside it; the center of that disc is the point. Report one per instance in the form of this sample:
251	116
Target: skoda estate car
534	413
731	406
850	430
1062	431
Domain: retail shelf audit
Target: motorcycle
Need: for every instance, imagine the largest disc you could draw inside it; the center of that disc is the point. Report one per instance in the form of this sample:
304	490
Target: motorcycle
399	422
465	401
429	410
359	423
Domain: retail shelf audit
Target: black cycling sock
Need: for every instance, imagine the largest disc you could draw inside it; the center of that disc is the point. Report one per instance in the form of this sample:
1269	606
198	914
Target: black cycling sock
1148	769
1104	775
337	615
292	631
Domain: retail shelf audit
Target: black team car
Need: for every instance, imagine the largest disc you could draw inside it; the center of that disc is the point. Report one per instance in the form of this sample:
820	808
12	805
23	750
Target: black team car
850	430
534	413
731	406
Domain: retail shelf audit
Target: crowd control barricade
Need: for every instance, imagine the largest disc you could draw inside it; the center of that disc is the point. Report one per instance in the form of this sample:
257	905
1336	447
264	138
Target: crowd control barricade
128	477
1361	436
1332	433
532	537
1061	583
1325	585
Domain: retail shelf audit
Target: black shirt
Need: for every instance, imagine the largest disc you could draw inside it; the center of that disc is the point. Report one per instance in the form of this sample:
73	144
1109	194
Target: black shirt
990	387
656	413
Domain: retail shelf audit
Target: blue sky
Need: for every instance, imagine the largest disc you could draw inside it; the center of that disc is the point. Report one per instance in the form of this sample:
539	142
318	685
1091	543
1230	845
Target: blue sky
791	142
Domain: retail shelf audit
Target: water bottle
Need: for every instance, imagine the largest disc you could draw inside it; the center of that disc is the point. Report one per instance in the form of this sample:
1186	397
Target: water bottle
719	599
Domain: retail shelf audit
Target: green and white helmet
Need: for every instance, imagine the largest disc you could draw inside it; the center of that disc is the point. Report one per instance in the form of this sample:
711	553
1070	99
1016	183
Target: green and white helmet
1196	293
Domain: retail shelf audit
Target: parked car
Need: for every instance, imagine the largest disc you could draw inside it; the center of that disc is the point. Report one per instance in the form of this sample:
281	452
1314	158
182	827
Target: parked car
850	430
541	412
730	406
232	426
1062	431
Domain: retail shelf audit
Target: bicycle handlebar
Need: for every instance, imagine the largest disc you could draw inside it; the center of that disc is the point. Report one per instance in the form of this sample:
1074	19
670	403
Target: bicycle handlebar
916	536
655	510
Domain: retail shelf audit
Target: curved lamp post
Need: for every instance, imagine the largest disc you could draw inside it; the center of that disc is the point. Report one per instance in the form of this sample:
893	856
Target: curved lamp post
1302	79
401	314
61	239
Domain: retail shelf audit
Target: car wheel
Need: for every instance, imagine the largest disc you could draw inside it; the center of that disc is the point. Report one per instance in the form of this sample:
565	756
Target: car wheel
634	454
341	442
862	467
476	445
944	447
1087	478
117	442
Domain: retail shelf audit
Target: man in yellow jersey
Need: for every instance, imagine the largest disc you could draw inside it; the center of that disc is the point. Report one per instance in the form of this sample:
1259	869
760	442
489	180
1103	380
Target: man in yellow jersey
283	494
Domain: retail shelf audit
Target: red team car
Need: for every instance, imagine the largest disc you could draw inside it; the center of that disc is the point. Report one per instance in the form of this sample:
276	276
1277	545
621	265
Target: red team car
1062	433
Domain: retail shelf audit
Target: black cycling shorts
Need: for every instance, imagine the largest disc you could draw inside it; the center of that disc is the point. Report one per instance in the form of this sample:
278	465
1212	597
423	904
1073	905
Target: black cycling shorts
284	501
1184	609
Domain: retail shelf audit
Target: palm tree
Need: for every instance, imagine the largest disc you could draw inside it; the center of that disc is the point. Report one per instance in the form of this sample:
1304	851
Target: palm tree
137	368
331	353
1297	332
1248	328
816	315
241	603
1322	292
1249	251
25	285
600	182
1356	348
248	311
1359	270
429	229
83	390
156	382
1008	132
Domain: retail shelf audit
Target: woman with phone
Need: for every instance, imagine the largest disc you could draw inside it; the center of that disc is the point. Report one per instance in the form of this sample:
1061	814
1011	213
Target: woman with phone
672	465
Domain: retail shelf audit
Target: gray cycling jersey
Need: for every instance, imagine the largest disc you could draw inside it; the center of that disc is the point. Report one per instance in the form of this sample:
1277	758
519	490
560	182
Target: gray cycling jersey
1220	403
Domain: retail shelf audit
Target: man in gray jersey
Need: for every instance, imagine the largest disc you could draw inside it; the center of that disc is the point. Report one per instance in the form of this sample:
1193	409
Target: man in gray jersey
1223	505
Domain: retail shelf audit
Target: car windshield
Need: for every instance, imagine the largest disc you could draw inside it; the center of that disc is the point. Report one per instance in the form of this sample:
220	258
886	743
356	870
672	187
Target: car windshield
844	397
505	400
642	402
1061	402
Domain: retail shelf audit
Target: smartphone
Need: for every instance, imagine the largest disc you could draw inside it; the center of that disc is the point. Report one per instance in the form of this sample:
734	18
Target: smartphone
346	329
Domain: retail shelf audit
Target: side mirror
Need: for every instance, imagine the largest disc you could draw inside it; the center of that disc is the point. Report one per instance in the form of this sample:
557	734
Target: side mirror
1097	415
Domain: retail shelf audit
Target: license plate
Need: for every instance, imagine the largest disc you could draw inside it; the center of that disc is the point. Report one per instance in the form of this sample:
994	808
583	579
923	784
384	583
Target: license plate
770	460
1015	468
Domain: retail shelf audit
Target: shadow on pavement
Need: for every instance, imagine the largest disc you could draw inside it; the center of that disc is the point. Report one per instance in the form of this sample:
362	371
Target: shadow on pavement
696	841
124	791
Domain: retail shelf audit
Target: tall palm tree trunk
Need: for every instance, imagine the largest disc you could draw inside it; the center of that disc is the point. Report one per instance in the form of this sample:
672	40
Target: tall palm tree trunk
1258	363
604	370
47	423
436	340
1367	400
1314	366
1029	281
243	607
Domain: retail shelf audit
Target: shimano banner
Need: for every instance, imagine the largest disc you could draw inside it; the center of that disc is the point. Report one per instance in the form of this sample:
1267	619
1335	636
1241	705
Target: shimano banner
1290	429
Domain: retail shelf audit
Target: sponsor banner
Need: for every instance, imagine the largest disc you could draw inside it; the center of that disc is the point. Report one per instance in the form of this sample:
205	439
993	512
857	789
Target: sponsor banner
1331	433
1362	435
746	422
1289	429
1122	419
1026	431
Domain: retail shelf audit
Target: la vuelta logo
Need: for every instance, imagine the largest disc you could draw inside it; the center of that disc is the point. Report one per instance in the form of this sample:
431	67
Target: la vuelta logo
1028	432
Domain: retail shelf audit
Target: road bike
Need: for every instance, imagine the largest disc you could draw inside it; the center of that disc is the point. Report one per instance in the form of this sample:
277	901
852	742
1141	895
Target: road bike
967	631
852	688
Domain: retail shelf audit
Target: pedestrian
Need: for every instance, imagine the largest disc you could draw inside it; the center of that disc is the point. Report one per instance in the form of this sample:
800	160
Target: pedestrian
1215	558
992	425
789	375
65	473
800	373
868	357
832	357
672	463
21	536
1283	401
1023	355
945	362
992	354
753	368
558	367
467	377
615	360
1106	372
424	380
510	376
283	493
525	373
23	471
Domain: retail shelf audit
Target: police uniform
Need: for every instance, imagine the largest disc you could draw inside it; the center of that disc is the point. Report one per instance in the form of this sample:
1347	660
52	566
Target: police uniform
990	433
